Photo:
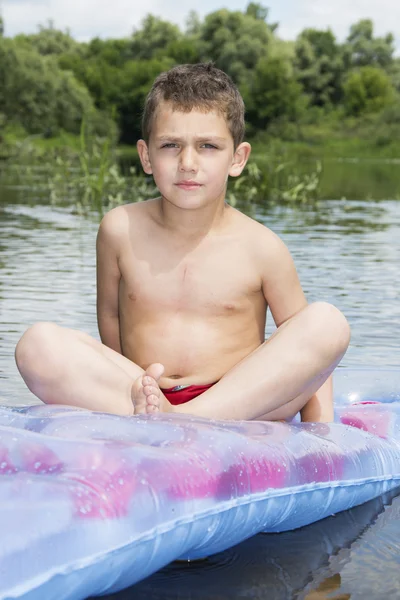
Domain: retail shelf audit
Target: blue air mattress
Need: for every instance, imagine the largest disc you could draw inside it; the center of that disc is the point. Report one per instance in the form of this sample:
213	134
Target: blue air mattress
91	503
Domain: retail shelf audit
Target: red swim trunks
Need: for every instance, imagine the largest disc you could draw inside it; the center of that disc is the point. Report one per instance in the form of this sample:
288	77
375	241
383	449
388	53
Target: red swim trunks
183	393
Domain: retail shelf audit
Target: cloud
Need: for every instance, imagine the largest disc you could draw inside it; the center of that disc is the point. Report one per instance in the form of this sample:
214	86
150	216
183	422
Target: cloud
85	18
341	14
117	18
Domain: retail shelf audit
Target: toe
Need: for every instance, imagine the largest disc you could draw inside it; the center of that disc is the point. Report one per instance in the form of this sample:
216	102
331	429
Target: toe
150	390
149	381
155	371
153	404
153	400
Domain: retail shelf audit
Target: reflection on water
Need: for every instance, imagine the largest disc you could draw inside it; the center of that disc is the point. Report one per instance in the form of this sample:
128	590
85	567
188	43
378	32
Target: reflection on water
345	556
347	253
361	179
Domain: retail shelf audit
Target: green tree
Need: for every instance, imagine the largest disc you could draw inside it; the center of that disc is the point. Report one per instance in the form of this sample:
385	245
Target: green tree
37	94
114	52
185	50
320	66
103	80
234	41
136	80
193	24
272	93
260	12
394	73
153	38
48	40
365	50
118	89
367	89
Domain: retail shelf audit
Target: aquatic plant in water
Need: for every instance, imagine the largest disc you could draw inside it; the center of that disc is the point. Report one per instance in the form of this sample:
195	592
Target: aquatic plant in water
274	184
92	179
95	181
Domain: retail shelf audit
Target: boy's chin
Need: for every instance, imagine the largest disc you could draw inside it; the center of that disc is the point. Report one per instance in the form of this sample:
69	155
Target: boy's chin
187	203
191	201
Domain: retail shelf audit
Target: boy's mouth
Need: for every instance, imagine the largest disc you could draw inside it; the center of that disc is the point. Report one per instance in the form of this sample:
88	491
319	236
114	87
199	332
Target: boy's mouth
188	185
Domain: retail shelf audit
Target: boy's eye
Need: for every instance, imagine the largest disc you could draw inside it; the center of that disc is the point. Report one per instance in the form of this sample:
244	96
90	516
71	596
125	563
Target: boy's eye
174	145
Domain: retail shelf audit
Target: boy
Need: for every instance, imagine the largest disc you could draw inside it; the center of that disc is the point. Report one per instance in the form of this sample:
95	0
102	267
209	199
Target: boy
183	284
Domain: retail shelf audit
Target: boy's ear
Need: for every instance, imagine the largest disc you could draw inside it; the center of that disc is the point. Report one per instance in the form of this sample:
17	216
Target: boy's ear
143	151
240	159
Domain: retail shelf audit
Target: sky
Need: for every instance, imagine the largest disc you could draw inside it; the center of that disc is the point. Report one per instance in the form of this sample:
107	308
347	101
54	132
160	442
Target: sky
118	18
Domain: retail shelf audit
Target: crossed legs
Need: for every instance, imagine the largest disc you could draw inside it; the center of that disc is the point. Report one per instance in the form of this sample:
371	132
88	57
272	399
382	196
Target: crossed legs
65	366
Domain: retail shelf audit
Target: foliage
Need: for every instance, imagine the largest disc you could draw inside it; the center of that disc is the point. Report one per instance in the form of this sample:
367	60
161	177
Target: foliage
275	182
48	40
235	41
260	13
365	50
153	38
90	180
272	93
39	95
367	89
119	89
319	66
131	100
394	73
184	50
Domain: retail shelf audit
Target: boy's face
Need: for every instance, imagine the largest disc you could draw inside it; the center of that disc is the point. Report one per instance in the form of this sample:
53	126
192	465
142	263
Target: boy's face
191	156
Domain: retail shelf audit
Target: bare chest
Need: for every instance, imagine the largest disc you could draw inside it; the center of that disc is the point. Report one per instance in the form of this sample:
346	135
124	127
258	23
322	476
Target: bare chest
220	280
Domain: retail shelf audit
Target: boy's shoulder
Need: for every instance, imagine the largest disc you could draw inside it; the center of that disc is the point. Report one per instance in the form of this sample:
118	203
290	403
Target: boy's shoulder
264	247
257	233
121	218
121	224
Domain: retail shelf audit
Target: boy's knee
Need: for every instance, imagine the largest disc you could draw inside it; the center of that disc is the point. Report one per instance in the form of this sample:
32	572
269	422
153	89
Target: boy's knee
36	348
331	324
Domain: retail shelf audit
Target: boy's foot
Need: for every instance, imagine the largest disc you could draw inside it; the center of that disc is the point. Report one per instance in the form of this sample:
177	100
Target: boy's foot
147	397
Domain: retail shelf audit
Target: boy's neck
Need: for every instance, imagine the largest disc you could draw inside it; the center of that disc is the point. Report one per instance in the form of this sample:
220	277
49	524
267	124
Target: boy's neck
195	223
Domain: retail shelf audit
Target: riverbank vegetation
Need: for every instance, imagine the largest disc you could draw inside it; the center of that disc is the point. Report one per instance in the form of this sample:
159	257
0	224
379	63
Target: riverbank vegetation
308	100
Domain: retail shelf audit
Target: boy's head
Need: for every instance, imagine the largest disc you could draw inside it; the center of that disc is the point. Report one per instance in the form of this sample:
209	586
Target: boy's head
200	87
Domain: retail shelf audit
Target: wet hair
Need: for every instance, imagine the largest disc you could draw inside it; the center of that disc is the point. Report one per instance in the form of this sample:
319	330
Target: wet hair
202	87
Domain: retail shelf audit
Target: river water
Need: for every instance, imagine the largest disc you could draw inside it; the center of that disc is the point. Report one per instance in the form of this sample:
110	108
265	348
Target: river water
346	252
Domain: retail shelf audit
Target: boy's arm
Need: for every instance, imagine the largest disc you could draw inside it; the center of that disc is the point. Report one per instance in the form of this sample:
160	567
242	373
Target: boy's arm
108	278
285	297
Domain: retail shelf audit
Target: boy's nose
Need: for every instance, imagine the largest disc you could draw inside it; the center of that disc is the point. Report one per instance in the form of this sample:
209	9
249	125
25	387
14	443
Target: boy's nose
188	160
